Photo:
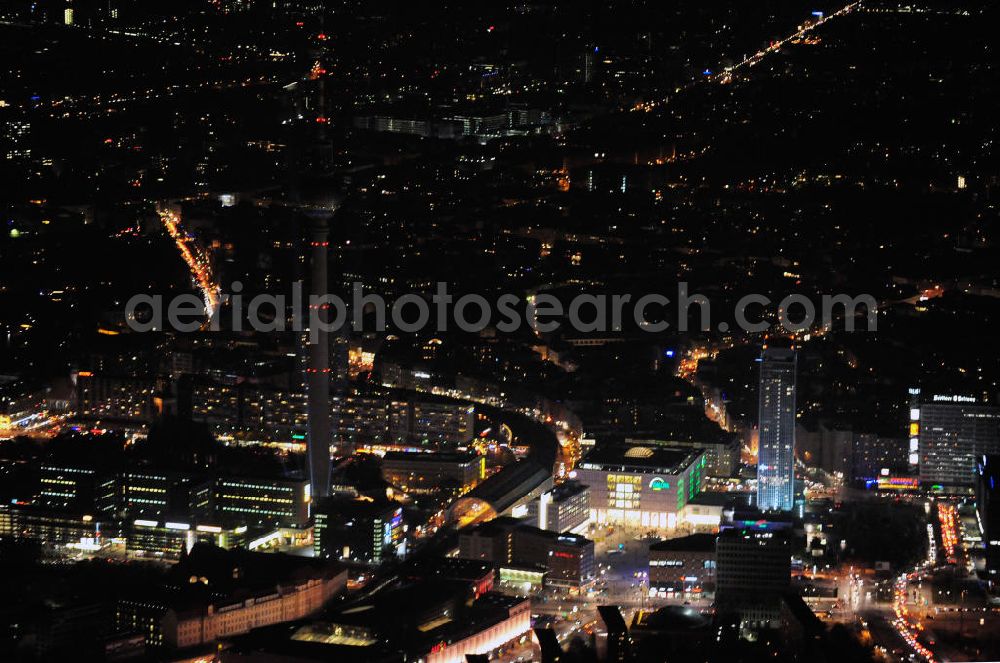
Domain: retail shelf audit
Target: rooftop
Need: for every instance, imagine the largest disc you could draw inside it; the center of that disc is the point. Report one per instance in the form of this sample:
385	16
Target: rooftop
567	490
562	538
505	524
510	484
230	570
691	543
451	568
432	457
339	507
715	498
672	618
495	526
664	460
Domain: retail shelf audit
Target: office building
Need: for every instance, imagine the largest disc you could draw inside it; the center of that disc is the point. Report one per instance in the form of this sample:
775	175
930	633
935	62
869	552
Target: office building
948	433
15	139
568	559
145	493
481	576
674	632
417	472
641	486
358	530
565	508
492	541
988	513
753	571
170	540
116	400
64	486
873	453
685	565
776	445
153	494
258	501
56	528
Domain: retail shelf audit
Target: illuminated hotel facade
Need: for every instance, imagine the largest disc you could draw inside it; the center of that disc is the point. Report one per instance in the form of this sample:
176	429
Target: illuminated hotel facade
641	486
776	448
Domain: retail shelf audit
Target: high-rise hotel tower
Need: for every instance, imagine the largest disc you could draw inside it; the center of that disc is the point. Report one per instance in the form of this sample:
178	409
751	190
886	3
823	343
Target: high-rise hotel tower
776	446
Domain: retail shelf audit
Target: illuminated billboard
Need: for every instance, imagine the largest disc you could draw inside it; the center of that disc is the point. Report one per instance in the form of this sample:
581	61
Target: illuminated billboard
898	483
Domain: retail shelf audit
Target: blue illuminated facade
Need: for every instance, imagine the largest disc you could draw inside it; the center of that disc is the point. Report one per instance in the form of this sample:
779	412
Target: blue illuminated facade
776	446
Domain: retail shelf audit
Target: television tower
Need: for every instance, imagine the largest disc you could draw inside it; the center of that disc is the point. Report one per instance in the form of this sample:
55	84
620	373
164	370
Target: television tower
319	434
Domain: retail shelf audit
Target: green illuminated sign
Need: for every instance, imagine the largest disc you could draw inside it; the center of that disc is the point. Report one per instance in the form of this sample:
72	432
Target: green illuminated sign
658	484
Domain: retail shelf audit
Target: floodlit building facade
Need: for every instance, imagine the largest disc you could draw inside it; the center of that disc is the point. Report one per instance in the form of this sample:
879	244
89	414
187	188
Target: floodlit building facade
641	486
948	434
776	446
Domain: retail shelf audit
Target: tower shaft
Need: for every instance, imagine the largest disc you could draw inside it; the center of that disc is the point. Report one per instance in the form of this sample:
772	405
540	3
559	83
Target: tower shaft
319	435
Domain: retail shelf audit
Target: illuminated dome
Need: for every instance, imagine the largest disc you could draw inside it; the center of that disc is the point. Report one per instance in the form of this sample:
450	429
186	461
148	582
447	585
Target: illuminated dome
639	452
